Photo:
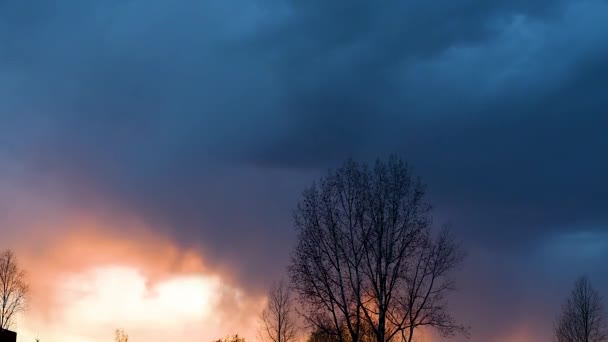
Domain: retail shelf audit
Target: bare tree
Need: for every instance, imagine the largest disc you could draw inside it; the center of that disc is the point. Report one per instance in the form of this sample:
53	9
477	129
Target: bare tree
278	321
366	257
582	318
234	338
120	336
14	289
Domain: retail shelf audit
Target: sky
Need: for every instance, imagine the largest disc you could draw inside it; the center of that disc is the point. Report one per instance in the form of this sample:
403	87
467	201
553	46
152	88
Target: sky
154	150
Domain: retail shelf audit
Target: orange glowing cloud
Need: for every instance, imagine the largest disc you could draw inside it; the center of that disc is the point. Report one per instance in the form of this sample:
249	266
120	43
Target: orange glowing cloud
94	277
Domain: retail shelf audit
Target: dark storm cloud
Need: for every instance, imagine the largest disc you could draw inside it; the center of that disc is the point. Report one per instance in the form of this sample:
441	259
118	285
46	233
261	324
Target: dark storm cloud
208	118
499	106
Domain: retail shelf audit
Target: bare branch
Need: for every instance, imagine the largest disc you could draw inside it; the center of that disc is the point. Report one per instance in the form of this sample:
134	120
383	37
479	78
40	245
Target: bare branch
120	336
582	318
14	290
278	321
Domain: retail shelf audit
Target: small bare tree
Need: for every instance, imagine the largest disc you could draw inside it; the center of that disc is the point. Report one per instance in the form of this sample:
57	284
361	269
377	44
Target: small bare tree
234	338
278	322
582	318
14	289
120	336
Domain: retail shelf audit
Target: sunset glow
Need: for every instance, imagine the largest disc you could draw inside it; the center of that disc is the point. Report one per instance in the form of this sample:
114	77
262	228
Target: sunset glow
149	289
121	294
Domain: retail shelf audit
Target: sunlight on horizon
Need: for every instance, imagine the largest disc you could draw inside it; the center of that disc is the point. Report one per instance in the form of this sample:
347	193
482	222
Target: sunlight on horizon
124	294
103	298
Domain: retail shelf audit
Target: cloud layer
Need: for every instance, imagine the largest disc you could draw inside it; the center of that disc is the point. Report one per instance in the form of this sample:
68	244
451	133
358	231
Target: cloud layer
205	120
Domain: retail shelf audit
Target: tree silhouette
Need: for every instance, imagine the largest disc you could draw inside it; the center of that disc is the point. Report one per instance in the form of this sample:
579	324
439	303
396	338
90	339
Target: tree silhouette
120	336
234	338
278	321
582	318
14	289
366	256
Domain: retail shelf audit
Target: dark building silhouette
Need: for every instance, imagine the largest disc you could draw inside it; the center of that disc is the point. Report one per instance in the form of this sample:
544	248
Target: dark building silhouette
8	336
